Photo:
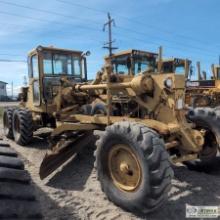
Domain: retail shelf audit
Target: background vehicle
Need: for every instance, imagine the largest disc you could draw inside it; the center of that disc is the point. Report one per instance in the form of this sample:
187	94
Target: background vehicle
204	92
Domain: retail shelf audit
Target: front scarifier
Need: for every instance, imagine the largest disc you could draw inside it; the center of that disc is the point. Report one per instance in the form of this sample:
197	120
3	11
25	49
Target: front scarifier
133	166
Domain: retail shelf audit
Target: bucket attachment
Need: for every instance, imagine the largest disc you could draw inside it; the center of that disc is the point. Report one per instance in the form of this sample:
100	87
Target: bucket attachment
61	152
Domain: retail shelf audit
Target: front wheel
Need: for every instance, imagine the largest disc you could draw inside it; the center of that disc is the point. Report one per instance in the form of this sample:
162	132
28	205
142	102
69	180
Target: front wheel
133	167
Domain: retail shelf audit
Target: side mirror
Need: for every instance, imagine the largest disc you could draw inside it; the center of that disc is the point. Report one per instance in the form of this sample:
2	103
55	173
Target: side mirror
39	48
87	53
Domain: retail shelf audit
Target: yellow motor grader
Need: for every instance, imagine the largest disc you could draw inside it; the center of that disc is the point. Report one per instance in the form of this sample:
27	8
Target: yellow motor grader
204	92
201	92
140	123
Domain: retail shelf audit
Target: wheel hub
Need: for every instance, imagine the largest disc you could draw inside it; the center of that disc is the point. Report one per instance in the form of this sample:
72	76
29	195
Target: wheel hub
124	168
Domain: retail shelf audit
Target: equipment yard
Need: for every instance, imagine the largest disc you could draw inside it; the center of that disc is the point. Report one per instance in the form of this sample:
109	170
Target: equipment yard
129	134
74	192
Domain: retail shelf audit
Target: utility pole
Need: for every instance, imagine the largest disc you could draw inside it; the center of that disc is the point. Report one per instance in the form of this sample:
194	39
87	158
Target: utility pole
108	45
12	88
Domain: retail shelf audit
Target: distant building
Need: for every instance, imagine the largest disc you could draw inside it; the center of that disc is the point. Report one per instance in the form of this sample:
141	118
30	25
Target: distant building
3	91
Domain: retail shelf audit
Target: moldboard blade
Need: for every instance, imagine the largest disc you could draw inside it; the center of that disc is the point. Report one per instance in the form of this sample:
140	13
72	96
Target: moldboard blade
54	160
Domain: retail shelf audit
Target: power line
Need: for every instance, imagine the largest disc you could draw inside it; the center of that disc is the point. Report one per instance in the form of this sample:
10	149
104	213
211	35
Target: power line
182	44
44	11
179	47
14	55
45	20
75	17
86	27
83	6
78	26
131	20
12	61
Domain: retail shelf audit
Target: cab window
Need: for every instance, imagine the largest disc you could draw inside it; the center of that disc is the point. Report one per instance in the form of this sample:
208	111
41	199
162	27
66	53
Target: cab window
121	65
76	66
47	62
144	63
179	70
65	64
34	66
167	67
62	64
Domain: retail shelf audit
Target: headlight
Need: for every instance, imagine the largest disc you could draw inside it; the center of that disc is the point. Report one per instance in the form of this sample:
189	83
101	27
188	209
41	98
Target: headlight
168	83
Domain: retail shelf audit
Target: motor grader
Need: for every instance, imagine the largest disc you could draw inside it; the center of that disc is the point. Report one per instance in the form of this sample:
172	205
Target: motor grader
139	123
201	92
204	92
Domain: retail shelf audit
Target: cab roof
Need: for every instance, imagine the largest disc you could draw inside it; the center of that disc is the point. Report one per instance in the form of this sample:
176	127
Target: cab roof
132	51
217	66
172	59
54	49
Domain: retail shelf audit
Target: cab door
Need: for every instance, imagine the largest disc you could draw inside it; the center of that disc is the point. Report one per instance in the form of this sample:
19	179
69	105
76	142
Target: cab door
34	79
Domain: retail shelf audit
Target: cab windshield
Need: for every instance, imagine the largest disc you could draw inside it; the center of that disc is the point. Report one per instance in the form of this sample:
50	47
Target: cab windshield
134	66
121	65
180	69
65	64
172	67
144	63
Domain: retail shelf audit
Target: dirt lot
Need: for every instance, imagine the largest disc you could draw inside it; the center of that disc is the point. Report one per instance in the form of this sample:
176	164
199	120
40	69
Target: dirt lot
74	192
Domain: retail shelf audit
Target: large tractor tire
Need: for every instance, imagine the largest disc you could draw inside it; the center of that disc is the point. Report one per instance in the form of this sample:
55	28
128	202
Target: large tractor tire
17	194
208	118
7	122
22	126
133	167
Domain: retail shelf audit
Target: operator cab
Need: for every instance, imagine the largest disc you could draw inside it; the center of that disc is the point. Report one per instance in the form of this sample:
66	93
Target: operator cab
216	72
132	62
46	67
177	66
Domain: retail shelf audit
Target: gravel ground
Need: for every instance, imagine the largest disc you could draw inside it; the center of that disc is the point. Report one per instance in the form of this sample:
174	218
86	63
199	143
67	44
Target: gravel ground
8	104
74	192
